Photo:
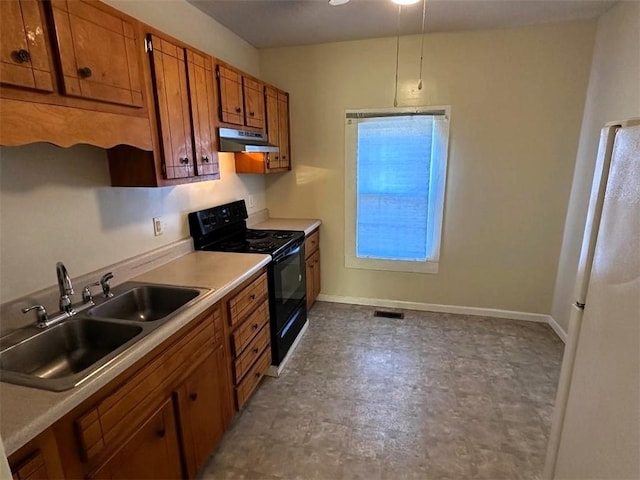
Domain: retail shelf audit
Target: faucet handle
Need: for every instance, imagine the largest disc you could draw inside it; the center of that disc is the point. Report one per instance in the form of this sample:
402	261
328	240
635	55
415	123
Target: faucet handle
41	313
106	288
86	292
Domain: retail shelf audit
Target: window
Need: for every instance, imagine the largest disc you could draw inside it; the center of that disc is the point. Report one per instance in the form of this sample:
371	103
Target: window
396	163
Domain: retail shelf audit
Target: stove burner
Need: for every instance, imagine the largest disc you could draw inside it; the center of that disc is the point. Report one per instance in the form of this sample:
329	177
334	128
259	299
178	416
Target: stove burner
256	234
262	246
233	246
282	235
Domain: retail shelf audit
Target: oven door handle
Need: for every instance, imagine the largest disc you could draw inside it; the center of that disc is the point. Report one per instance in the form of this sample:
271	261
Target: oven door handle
291	251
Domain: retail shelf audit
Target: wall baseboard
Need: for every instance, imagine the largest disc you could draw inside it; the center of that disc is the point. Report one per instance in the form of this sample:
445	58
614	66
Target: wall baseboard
557	328
432	307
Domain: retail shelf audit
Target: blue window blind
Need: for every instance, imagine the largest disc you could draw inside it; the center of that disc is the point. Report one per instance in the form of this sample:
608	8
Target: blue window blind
393	169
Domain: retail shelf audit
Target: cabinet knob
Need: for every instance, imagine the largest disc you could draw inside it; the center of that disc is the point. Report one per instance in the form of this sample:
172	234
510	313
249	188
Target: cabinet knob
205	159
238	109
257	374
22	56
85	72
193	396
251	114
184	160
161	433
277	157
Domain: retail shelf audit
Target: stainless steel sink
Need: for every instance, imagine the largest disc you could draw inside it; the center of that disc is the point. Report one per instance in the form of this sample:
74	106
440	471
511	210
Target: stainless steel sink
147	303
60	357
63	356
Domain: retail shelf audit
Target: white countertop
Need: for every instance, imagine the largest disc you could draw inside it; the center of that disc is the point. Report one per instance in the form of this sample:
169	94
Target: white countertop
300	224
26	412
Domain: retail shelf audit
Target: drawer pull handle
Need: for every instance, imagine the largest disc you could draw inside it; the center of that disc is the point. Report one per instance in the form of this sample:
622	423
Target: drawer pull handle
238	109
205	159
255	350
22	56
85	72
184	160
257	374
161	433
252	296
255	326
251	114
193	396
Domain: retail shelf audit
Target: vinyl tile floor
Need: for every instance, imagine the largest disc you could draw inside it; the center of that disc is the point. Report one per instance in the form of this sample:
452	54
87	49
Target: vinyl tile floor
430	396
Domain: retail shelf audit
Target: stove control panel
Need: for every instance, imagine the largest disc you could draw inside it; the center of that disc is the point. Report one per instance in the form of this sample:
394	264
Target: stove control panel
207	221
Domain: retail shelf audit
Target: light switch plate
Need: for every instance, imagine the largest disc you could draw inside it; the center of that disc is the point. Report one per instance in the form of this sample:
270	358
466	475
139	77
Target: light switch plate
158	226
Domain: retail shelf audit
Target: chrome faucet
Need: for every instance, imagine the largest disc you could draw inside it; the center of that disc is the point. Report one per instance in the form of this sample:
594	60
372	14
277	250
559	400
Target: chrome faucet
65	286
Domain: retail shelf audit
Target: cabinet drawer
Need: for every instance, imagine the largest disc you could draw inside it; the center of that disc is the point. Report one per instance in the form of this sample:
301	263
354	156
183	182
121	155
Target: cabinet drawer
243	303
249	329
33	468
111	420
311	243
250	382
244	362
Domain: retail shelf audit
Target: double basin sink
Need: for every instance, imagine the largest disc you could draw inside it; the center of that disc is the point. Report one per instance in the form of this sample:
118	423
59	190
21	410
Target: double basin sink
63	356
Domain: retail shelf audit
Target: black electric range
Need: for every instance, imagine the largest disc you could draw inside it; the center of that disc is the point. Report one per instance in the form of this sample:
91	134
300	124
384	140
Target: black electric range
223	229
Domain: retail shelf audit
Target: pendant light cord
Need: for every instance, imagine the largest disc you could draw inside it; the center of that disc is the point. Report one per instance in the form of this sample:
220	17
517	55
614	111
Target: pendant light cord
395	98
424	13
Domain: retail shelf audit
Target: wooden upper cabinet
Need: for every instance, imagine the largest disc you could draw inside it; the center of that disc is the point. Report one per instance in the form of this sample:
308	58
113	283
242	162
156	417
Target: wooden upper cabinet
231	103
273	130
203	110
98	53
24	57
253	103
172	104
283	129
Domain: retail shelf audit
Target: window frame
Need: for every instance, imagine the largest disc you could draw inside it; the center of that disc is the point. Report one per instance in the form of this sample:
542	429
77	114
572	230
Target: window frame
437	195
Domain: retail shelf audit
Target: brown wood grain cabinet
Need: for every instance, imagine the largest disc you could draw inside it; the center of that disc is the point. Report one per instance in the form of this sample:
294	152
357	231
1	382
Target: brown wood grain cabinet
312	262
250	336
277	122
70	73
184	100
98	52
150	452
24	57
241	98
37	460
172	406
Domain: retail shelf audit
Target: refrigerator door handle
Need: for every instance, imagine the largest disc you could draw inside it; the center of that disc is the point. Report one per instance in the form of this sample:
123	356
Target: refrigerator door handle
580	305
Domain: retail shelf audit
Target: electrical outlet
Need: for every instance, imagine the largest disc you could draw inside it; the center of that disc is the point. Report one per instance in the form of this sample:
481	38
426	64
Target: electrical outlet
158	226
252	201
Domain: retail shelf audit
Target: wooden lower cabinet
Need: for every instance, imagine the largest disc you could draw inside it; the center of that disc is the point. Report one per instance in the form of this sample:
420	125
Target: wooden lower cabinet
200	412
312	263
37	460
161	418
151	452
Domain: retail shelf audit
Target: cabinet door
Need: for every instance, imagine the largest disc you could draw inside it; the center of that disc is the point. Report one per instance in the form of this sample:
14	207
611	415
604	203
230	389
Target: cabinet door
309	264
172	104
203	111
200	403
24	58
98	53
231	105
253	103
283	125
151	452
271	100
316	275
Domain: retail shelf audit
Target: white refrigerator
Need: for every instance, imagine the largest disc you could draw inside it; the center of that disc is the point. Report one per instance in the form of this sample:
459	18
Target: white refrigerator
596	421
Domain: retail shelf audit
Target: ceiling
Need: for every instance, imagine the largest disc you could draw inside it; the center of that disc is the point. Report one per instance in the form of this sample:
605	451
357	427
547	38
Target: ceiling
279	23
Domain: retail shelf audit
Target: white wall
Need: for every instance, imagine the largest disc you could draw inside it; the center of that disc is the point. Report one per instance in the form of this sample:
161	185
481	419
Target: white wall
613	94
517	100
56	204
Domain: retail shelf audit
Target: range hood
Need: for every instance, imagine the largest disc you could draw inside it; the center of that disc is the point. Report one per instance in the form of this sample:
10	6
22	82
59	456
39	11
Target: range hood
245	141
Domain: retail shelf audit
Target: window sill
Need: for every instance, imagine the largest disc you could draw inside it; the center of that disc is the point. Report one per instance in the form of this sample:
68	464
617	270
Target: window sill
390	265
